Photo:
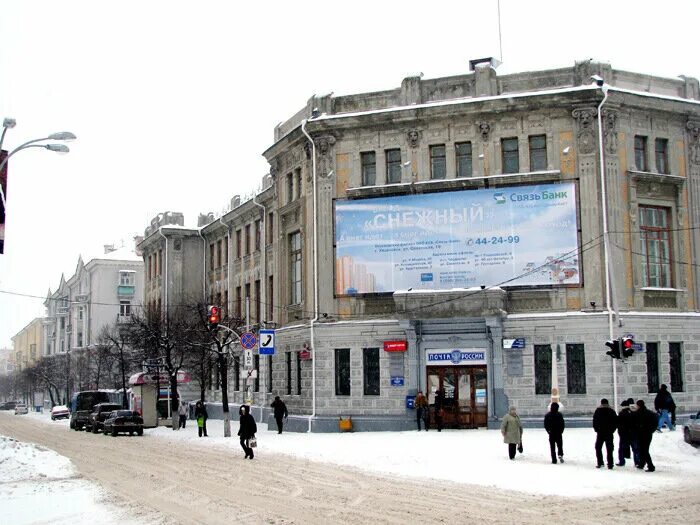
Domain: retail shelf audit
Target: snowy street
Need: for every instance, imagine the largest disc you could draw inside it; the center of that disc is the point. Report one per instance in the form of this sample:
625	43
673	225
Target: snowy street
175	477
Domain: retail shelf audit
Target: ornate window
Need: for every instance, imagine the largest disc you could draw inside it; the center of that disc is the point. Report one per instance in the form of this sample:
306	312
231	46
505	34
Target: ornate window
368	160
538	153
437	162
295	260
511	162
655	246
640	153
662	156
393	166
463	154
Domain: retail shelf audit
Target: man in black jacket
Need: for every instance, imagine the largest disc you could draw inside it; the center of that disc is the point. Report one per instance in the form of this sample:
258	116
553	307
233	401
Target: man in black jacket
246	431
604	424
645	424
554	425
625	429
280	412
664	406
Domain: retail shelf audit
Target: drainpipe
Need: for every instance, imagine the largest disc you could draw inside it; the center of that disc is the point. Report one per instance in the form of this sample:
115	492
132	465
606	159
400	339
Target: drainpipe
204	266
606	240
166	271
315	317
228	259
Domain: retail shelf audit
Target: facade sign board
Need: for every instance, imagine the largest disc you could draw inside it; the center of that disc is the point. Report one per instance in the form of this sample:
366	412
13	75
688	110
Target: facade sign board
514	343
519	236
455	356
395	346
397	380
266	343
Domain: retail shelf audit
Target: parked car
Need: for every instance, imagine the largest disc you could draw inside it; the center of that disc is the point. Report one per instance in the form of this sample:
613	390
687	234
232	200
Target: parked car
60	412
691	430
21	408
99	413
122	421
8	405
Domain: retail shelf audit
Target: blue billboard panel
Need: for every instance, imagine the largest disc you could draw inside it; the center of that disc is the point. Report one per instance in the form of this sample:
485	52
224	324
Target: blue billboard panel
517	236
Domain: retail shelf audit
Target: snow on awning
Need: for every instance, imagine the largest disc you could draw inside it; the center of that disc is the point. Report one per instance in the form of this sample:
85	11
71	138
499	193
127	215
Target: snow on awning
145	378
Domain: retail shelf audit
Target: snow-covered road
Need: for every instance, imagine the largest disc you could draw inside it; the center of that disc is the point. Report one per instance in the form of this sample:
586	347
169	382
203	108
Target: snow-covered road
356	478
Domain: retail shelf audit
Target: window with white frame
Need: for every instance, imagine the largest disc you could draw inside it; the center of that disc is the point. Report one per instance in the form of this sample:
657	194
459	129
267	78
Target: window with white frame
126	278
125	308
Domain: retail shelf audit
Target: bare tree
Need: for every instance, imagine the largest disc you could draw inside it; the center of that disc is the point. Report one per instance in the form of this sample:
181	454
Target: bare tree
163	335
217	339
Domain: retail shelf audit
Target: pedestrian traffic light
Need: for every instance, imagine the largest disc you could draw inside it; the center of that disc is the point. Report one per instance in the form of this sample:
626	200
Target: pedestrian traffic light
627	346
213	316
614	345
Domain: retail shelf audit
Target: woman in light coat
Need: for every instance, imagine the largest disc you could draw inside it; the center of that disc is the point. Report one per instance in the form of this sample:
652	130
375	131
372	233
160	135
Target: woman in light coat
512	431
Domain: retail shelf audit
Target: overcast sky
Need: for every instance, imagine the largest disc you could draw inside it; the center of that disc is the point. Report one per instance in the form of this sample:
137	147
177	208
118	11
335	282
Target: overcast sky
174	102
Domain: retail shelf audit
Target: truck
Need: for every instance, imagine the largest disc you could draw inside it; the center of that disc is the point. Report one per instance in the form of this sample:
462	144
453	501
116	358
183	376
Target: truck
82	403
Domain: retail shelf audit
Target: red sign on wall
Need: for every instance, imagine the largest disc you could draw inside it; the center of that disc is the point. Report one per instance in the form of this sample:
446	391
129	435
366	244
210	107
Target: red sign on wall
395	346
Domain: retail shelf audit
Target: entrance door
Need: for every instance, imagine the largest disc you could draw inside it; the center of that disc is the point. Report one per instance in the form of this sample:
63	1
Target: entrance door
465	394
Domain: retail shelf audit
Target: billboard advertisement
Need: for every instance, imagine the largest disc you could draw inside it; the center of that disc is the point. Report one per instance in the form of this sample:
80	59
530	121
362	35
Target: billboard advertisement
516	236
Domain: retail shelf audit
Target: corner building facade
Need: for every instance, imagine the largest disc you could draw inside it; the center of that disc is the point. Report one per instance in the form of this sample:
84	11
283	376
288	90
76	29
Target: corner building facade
460	241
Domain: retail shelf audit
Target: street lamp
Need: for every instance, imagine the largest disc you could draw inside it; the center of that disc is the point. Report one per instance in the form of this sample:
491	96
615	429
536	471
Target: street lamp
59	148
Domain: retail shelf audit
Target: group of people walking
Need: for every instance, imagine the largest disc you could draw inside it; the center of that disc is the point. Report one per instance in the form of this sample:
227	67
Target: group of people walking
423	410
635	425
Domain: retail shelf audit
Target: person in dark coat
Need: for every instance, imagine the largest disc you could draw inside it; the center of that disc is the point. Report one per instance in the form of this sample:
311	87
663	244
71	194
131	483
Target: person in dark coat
604	424
664	406
439	408
554	425
280	412
646	424
625	430
421	404
200	414
246	431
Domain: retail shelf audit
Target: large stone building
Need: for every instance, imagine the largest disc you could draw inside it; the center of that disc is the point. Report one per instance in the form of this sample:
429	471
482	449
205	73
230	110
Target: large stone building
27	344
460	240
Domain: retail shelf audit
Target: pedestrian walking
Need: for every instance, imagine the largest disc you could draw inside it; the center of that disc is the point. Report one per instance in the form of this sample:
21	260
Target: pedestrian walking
201	415
664	406
646	424
625	431
512	431
439	408
421	404
554	425
280	412
182	411
604	424
634	437
246	431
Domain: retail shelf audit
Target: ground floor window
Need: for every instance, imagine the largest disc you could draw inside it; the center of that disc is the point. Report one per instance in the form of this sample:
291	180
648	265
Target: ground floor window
652	367
288	357
298	358
342	371
676	364
543	369
269	373
575	369
370	367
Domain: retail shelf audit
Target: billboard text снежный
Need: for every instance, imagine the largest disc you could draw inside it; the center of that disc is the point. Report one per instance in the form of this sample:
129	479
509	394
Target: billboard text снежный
519	236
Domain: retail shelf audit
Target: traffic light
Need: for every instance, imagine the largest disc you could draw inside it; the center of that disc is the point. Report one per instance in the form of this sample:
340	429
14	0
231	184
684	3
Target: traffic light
614	345
627	346
213	316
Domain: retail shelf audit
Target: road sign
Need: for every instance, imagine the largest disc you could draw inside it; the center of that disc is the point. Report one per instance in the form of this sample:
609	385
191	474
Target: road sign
245	374
247	359
248	340
266	344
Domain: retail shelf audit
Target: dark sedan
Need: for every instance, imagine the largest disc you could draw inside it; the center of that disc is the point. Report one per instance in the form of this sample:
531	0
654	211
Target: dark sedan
99	413
123	421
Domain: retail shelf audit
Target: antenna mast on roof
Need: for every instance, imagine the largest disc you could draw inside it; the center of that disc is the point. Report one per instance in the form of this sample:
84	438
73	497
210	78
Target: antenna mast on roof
500	42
